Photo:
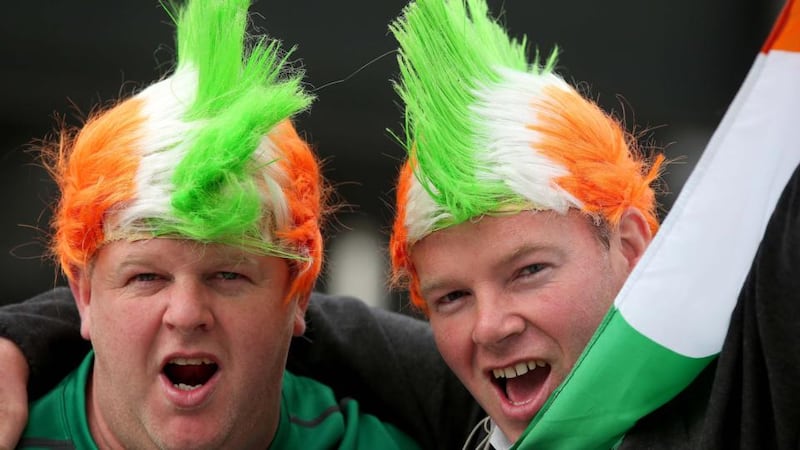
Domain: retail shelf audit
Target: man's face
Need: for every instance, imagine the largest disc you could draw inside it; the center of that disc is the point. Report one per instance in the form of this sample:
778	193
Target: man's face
190	344
515	299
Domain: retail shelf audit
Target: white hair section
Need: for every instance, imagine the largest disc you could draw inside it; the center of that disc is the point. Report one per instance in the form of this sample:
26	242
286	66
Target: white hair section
165	141
507	145
422	212
267	157
506	151
163	144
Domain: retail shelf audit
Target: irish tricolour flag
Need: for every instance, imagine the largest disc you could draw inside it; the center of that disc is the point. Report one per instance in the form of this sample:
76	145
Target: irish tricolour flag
671	317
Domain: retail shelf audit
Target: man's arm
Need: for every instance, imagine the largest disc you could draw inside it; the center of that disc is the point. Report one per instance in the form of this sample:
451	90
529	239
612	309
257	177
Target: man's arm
46	328
755	399
751	397
389	363
43	332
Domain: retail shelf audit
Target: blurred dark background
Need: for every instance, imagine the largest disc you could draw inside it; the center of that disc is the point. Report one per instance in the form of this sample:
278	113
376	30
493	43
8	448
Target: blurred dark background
669	67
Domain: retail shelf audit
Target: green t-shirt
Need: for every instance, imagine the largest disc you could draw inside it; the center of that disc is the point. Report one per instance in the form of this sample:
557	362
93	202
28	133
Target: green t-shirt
311	418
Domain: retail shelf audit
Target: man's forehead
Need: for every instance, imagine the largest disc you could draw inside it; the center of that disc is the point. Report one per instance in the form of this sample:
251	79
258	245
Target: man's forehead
526	227
152	250
496	240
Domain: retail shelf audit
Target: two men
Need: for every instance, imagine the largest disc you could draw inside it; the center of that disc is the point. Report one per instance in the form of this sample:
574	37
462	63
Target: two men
521	212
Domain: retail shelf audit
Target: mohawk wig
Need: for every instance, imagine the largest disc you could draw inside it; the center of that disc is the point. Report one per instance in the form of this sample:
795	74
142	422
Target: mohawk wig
487	132
207	154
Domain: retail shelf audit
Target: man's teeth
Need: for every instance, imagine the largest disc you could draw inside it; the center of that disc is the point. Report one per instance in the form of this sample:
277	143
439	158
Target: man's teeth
190	361
518	369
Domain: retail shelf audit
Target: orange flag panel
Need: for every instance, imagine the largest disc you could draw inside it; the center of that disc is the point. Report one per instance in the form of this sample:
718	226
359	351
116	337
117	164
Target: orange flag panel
786	33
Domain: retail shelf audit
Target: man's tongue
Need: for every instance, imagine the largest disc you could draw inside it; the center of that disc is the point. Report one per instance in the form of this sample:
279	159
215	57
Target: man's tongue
523	388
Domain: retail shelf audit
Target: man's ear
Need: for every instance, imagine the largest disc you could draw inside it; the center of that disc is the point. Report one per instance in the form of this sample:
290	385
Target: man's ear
634	236
82	291
300	315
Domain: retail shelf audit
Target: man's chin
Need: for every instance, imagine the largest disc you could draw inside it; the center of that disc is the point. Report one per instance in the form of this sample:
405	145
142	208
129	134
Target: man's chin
198	431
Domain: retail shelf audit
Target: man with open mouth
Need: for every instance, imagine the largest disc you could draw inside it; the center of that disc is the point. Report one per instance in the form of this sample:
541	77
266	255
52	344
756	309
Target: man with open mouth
524	221
189	229
521	209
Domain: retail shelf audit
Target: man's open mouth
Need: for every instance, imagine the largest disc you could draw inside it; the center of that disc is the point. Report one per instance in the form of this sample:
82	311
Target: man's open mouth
521	382
189	373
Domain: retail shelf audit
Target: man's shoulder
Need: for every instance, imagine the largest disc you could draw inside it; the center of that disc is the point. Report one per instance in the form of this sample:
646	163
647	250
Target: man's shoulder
306	399
312	416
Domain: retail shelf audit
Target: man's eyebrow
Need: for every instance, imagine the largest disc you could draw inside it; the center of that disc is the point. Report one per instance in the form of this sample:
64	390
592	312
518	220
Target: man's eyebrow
525	250
122	265
133	259
435	285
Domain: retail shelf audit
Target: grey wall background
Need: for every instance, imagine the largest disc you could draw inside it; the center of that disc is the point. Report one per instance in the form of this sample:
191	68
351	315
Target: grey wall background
667	66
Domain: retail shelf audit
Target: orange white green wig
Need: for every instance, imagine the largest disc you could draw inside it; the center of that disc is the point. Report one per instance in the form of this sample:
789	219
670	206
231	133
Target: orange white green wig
487	133
207	154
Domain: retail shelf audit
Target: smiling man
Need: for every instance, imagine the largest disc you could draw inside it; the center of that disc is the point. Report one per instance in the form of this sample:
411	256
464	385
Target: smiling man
523	216
513	326
521	210
189	229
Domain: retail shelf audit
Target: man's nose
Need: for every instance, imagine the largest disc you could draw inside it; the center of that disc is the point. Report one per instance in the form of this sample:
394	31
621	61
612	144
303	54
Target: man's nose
495	320
188	309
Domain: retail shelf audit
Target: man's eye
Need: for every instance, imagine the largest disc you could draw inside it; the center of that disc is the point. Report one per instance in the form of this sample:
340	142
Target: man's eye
532	269
228	275
449	303
145	277
450	297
